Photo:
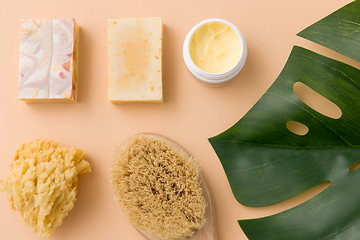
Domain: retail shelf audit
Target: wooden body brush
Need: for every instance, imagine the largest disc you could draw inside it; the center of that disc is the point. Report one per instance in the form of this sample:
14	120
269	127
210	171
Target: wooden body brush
161	190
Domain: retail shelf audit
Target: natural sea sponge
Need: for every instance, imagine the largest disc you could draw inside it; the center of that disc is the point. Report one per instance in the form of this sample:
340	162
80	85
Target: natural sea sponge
157	187
42	183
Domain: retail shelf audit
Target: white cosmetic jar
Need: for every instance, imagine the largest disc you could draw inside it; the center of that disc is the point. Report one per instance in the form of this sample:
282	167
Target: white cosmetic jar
214	79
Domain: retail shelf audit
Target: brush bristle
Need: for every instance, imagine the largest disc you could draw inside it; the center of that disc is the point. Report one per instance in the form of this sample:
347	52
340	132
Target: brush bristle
158	188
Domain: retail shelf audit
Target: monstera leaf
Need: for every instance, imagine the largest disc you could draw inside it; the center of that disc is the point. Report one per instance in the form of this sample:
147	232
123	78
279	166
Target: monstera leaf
266	163
340	31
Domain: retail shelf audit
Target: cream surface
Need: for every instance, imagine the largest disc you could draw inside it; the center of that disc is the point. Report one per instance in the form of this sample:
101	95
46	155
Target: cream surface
46	65
215	47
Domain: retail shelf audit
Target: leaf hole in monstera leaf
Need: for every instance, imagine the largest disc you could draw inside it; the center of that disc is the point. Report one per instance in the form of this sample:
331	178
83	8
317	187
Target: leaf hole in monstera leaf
316	101
297	128
354	166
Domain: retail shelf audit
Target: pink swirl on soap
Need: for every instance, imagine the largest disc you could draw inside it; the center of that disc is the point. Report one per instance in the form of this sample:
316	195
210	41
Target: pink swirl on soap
63	38
35	57
46	58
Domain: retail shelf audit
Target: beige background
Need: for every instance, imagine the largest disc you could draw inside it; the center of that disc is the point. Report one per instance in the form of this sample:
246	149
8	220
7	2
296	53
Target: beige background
190	114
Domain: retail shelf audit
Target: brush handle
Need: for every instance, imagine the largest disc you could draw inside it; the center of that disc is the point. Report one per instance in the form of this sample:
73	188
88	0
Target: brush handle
208	231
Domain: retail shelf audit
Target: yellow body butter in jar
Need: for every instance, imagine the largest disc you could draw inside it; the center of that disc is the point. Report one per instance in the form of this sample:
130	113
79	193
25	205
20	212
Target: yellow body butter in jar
215	51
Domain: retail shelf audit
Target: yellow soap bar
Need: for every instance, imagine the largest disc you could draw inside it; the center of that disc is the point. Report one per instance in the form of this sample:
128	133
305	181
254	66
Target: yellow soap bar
134	60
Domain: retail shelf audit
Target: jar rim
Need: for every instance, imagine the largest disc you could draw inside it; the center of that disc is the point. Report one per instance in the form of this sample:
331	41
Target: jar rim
233	69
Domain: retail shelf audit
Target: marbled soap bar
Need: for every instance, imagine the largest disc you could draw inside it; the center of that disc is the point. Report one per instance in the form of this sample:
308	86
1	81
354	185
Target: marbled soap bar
134	60
48	60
